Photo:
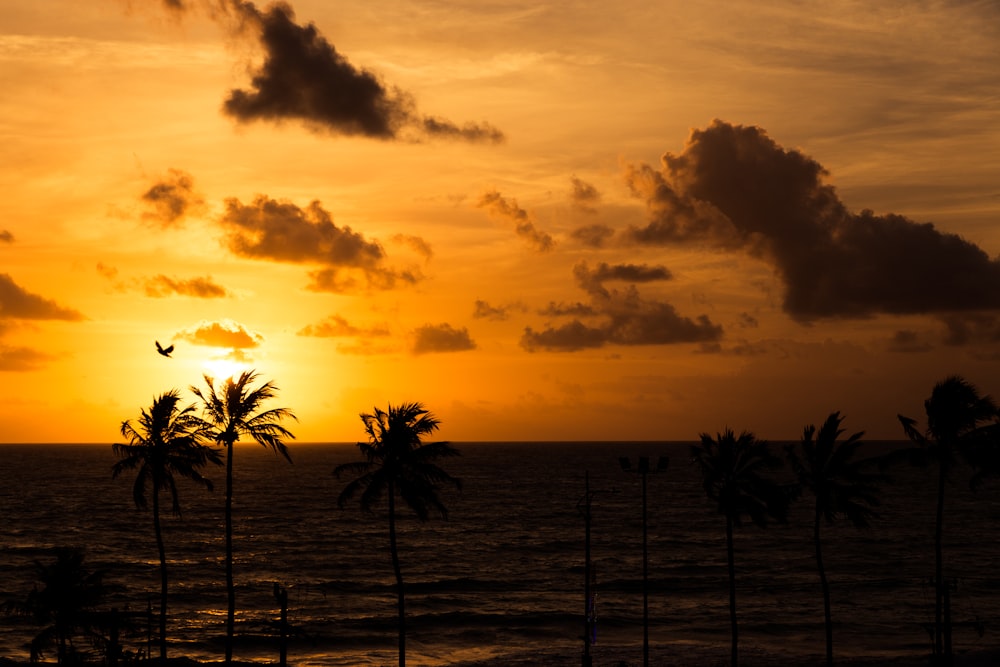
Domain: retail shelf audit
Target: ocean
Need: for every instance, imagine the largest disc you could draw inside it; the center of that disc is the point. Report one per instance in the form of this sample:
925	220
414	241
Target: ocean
501	581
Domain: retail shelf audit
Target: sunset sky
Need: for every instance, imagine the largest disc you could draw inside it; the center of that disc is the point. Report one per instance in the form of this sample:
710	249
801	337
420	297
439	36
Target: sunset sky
546	220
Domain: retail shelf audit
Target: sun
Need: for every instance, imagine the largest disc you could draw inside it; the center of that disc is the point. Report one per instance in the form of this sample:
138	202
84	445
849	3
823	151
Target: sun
222	368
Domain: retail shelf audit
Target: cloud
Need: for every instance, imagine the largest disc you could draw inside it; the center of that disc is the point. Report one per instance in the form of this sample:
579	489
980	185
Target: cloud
172	198
497	205
595	236
284	232
225	333
203	288
416	244
485	311
624	317
963	329
441	338
336	326
6	236
908	341
584	195
303	77
733	187
18	303
21	359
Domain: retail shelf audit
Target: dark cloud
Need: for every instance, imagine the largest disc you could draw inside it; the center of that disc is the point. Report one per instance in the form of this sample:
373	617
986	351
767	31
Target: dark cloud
748	321
18	303
568	309
281	231
622	317
584	194
21	359
441	338
172	198
595	236
203	288
6	236
336	326
303	77
734	187
485	311
496	204
908	341
970	328
225	333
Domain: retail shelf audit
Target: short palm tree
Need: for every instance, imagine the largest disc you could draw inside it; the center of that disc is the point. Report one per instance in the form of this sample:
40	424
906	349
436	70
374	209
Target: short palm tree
230	413
398	463
841	485
733	476
65	605
165	443
961	425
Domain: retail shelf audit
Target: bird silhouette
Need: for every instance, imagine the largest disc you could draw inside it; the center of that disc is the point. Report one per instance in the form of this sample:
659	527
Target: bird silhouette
165	351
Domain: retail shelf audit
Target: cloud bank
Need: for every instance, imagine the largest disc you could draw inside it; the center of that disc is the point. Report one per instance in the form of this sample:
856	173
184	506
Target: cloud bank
733	187
18	303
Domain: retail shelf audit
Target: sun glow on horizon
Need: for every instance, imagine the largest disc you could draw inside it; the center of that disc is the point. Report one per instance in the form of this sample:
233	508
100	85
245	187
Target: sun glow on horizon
224	367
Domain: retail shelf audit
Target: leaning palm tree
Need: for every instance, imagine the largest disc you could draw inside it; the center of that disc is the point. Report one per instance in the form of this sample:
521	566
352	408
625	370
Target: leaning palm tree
732	469
961	425
398	463
230	413
165	443
842	487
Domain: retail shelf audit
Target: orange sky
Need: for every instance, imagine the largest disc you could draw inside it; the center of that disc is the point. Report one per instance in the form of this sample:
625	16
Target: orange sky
545	220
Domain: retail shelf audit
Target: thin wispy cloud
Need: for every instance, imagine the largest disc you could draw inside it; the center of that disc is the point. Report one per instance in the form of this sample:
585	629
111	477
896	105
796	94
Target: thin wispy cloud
524	227
162	286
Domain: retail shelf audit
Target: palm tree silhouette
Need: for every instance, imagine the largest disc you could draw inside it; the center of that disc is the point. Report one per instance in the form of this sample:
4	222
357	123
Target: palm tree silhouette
232	412
732	470
961	424
165	443
64	606
398	463
841	486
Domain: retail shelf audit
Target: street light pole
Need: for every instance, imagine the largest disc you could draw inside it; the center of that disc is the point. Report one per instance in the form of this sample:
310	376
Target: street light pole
643	470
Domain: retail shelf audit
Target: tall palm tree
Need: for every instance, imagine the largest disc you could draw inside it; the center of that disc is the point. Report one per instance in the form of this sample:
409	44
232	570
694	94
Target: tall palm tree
398	463
164	444
230	413
842	487
64	605
733	475
961	425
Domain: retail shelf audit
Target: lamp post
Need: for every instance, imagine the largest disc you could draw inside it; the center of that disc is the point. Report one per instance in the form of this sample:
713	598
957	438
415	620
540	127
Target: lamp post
643	470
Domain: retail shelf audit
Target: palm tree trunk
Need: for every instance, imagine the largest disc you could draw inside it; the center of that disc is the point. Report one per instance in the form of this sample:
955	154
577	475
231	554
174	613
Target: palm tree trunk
163	573
825	586
230	589
939	567
734	660
400	601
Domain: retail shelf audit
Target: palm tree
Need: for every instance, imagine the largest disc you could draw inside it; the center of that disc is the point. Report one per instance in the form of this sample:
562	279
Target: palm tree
841	486
64	606
164	444
732	469
961	424
398	463
233	412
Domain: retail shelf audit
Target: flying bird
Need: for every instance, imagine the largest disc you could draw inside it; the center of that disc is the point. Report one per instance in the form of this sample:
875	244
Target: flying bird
165	351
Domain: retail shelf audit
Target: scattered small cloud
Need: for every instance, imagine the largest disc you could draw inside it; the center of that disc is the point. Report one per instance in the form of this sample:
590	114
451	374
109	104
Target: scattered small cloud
202	288
748	321
484	311
107	272
416	244
21	359
499	206
172	198
733	187
584	195
18	303
303	77
908	341
6	236
443	337
963	329
282	231
595	236
225	333
336	326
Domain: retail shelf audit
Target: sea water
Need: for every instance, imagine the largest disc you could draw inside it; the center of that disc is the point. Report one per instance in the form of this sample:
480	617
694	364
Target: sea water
502	580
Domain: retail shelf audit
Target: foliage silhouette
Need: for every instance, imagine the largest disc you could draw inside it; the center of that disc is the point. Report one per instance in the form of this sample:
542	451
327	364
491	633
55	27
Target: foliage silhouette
841	486
65	605
230	413
165	443
961	425
398	463
733	476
